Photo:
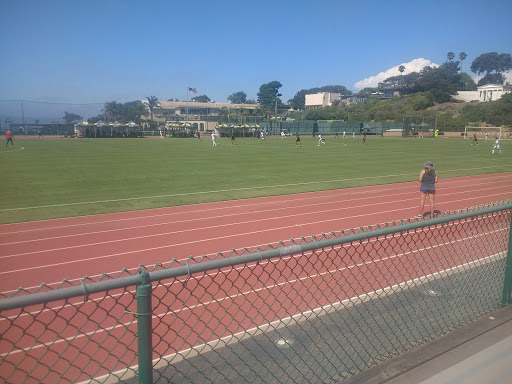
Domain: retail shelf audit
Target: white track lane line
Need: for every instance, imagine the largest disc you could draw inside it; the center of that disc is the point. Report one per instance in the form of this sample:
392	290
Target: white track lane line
233	190
239	223
252	291
203	218
166	246
244	203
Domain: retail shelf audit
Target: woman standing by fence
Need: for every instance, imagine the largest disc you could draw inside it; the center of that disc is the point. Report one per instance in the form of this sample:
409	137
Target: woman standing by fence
428	180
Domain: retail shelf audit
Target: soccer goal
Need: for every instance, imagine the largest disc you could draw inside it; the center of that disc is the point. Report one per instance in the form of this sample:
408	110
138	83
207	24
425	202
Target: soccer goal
481	131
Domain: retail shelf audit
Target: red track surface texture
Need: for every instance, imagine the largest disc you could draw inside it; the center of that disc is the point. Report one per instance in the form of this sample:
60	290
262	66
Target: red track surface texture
71	248
52	250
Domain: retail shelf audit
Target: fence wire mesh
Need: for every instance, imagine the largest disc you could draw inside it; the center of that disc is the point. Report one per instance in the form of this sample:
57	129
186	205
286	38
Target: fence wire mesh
316	311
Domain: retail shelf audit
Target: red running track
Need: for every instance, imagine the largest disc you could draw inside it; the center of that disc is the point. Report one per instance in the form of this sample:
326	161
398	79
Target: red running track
71	248
52	250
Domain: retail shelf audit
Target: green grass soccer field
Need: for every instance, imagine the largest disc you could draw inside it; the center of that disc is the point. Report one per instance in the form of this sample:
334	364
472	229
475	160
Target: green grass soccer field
52	178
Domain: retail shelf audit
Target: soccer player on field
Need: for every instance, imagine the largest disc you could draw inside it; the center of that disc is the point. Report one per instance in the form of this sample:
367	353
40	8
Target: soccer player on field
297	141
364	138
320	140
496	146
8	136
475	140
213	139
233	140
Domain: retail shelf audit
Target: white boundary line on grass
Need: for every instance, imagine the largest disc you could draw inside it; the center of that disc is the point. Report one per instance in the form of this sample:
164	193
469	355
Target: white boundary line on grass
14	150
231	190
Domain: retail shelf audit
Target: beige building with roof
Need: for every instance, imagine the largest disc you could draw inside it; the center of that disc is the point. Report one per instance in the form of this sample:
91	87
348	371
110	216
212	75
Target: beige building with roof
203	116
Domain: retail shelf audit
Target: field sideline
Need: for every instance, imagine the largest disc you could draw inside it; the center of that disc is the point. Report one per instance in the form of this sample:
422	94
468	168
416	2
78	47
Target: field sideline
53	178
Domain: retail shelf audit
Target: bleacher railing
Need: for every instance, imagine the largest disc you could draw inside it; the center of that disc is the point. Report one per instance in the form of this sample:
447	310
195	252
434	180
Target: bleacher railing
308	311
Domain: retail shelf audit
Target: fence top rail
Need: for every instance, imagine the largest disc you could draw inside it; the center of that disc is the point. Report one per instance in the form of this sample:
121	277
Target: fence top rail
144	277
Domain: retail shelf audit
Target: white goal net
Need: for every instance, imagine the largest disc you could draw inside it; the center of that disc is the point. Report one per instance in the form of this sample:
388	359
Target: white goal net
485	132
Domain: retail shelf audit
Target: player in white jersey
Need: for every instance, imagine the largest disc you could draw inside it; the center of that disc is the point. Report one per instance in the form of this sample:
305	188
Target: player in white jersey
320	140
213	139
496	146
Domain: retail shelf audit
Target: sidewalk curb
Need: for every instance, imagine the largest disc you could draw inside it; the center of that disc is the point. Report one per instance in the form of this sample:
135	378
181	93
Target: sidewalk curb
395	367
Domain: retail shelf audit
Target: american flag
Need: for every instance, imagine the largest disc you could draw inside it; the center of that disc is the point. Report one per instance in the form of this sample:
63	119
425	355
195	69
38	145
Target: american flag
192	90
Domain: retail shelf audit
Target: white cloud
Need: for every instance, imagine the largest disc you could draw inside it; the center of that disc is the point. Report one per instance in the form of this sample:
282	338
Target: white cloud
415	65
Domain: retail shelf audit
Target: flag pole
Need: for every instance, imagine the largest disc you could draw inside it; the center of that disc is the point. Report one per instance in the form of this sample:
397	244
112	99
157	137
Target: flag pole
187	102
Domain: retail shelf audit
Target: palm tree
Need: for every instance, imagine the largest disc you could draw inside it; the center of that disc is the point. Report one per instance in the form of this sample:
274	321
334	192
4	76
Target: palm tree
152	104
401	69
242	114
110	111
450	56
224	115
462	57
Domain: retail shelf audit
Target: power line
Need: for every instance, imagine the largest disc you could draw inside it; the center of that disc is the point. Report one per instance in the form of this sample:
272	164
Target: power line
51	102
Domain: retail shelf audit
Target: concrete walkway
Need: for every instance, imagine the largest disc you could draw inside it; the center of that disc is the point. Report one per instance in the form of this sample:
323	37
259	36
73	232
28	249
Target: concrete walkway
477	353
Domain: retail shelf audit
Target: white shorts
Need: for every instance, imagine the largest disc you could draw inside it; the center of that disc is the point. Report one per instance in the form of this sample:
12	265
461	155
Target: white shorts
496	146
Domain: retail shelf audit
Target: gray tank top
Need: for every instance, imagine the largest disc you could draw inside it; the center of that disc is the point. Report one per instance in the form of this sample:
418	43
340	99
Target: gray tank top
429	179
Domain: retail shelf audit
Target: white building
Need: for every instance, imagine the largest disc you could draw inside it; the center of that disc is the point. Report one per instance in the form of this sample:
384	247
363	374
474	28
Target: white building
319	100
467	96
490	92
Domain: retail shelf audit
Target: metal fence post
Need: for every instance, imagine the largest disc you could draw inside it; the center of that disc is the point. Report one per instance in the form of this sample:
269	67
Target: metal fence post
145	330
507	285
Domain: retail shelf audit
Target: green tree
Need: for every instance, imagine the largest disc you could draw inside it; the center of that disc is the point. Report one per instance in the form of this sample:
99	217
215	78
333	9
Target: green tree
269	94
299	100
401	69
70	118
466	82
497	112
242	115
133	111
201	99
492	78
239	97
450	56
152	104
225	115
462	57
111	110
443	81
492	65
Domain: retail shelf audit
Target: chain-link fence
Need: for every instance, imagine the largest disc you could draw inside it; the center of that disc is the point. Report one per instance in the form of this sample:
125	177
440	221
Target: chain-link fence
328	127
307	311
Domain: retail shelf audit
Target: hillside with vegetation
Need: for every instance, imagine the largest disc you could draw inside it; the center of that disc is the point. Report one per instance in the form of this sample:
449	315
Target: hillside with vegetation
428	92
450	116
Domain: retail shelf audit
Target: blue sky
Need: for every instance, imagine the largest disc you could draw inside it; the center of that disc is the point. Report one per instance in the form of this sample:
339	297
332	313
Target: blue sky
95	51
